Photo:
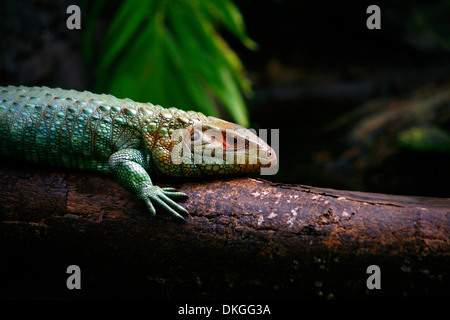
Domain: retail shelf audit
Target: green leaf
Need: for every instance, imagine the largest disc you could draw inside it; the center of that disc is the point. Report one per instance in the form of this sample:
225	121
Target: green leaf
219	72
425	138
232	19
190	82
89	30
124	26
170	53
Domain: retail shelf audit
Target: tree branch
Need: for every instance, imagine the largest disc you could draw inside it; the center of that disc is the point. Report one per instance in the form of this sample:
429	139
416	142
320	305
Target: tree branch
245	238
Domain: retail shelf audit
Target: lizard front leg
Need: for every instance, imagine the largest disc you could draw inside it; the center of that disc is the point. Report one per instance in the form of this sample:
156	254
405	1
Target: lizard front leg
127	167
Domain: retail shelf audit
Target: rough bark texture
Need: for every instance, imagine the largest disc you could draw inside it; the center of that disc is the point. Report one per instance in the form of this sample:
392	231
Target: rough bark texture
246	238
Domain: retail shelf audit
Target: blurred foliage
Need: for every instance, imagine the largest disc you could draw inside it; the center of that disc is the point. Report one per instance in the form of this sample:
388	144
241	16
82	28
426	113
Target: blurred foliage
430	25
170	52
425	138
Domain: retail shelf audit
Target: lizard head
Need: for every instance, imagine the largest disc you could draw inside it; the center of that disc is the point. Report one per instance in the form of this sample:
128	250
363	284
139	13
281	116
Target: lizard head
211	146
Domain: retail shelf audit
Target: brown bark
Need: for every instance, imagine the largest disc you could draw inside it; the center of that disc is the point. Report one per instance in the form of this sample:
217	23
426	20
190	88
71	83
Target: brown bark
245	238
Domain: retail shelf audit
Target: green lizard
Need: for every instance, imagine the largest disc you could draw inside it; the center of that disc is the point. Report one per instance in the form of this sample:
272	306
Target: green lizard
127	139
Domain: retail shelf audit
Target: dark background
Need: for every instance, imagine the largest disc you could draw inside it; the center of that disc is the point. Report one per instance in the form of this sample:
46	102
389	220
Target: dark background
319	76
315	75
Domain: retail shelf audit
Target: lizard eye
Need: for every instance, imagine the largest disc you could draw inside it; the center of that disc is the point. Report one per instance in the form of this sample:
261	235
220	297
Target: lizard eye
232	141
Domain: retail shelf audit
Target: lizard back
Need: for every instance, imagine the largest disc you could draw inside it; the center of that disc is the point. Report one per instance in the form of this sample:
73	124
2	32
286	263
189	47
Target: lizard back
67	128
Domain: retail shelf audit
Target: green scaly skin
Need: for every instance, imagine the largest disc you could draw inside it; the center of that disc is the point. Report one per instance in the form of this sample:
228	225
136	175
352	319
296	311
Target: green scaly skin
127	139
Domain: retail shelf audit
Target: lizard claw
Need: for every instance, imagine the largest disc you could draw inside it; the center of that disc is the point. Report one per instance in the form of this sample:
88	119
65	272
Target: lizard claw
163	197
